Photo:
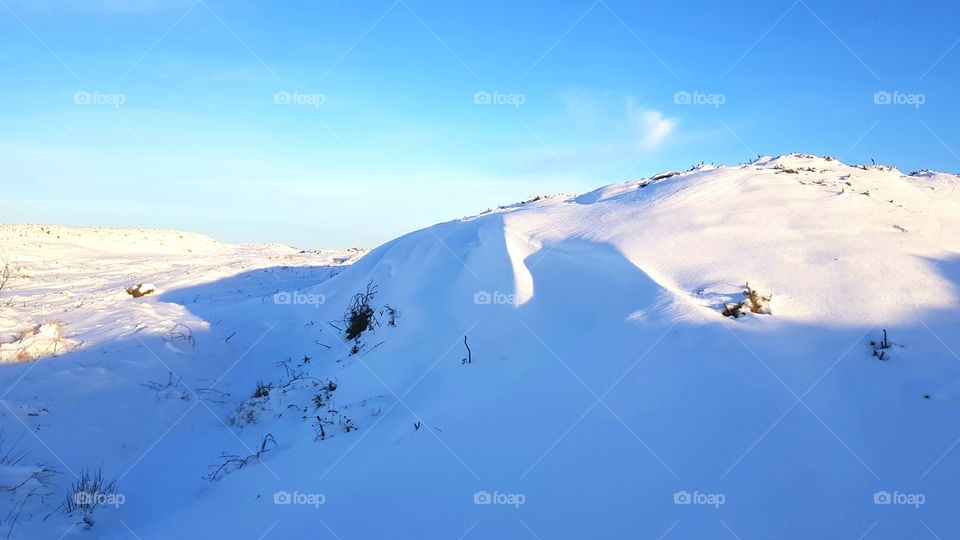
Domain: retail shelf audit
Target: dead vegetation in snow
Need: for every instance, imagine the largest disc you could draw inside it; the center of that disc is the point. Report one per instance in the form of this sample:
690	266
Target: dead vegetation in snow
753	302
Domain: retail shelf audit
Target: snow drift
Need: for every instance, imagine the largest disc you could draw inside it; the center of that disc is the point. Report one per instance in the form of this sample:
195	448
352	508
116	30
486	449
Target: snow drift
554	369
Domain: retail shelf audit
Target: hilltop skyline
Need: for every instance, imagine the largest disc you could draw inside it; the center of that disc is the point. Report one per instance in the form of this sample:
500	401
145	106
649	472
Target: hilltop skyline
336	125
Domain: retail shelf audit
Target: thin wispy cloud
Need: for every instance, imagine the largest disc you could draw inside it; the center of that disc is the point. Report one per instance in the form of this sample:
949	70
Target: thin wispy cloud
598	128
652	128
317	91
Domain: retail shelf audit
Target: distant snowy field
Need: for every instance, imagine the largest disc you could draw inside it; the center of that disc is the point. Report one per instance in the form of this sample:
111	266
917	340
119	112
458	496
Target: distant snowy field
599	393
77	277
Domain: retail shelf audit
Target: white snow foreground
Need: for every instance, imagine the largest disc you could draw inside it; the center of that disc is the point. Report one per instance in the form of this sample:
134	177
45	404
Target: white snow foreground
600	392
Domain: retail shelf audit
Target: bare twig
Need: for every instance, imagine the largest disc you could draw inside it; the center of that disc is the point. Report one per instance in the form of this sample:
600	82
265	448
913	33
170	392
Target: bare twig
182	332
11	456
233	462
5	271
469	358
880	349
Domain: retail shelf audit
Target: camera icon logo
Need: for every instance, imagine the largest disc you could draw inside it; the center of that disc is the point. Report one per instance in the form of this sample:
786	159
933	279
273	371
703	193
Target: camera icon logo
482	98
882	98
483	298
281	98
681	497
283	298
82	98
482	497
682	98
882	497
282	497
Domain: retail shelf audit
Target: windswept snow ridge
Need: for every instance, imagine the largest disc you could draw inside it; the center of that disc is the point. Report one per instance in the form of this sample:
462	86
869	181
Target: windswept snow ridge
554	369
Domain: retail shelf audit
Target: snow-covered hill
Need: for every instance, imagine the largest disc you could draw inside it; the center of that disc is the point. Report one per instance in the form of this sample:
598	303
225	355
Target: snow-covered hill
555	369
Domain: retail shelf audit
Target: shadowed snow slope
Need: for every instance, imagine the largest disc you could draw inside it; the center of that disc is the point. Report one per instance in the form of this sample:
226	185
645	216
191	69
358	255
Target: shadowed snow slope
606	396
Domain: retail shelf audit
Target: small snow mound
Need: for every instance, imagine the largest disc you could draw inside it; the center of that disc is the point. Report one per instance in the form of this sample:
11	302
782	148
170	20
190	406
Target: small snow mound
41	340
611	191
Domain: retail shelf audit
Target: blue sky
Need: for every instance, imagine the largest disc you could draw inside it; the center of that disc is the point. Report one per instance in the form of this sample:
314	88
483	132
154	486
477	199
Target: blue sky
333	123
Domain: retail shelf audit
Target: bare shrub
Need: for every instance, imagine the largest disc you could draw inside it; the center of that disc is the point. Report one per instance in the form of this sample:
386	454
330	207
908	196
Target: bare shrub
881	348
90	491
249	411
329	415
360	316
756	302
172	388
45	339
753	302
262	390
391	313
780	168
24	487
325	396
180	332
295	376
5	272
233	462
141	290
10	456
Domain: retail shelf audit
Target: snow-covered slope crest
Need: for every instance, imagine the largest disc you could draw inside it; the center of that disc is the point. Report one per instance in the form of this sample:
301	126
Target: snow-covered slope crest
848	244
555	369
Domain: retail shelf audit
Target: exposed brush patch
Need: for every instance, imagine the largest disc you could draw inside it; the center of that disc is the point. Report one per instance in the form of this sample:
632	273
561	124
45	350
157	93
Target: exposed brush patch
89	492
360	317
881	349
753	302
141	290
5	272
233	462
24	489
262	390
36	342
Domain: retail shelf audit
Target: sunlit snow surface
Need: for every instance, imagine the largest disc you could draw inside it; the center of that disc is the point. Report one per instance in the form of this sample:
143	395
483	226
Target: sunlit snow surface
607	396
